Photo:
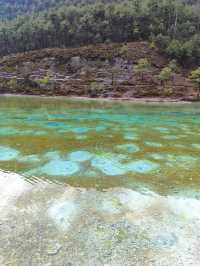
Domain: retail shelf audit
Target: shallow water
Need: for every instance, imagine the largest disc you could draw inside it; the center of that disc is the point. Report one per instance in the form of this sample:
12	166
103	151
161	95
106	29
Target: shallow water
99	183
102	144
52	224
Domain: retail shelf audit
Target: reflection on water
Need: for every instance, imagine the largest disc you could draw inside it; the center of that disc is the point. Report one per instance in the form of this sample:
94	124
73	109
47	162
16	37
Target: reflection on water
101	144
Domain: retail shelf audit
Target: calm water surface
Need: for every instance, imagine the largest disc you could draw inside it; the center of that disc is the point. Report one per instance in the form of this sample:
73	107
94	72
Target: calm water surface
102	144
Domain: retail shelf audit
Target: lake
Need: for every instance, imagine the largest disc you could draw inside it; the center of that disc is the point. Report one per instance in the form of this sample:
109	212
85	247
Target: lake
101	144
99	182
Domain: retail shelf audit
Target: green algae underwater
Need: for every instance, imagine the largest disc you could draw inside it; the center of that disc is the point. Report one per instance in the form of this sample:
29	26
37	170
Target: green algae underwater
102	144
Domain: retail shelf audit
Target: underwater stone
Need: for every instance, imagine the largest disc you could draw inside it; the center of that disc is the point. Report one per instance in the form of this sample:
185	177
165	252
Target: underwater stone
51	155
40	133
100	128
29	159
53	248
170	137
187	208
58	116
112	206
130	148
27	132
55	124
60	167
153	144
63	213
81	137
108	166
165	240
135	201
162	129
188	193
130	136
142	166
158	156
7	153
185	158
80	130
186	161
8	131
196	146
80	156
179	146
90	173
11	187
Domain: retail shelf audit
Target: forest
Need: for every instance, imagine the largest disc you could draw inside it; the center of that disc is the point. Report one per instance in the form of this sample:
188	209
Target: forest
171	25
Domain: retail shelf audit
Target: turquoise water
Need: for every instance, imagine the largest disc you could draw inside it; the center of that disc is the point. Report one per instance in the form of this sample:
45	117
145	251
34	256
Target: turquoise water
102	144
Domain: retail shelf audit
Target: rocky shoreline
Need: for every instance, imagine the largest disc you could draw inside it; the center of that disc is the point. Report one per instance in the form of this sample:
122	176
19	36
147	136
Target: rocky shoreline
104	71
155	100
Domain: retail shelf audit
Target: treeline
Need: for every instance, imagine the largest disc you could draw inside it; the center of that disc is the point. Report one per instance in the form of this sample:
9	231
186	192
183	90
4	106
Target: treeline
10	9
172	25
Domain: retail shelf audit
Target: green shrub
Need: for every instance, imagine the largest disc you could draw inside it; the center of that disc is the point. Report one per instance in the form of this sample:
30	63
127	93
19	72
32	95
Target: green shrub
174	66
195	78
95	88
142	66
12	83
165	75
44	80
124	50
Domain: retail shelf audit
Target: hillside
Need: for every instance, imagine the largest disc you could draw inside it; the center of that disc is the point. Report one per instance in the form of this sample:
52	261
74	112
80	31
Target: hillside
105	71
94	49
12	8
173	26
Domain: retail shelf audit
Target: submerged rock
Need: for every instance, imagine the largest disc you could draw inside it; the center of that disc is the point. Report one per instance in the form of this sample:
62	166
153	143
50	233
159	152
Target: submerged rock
51	155
158	156
81	137
142	166
33	158
11	187
130	148
108	166
8	131
164	240
80	130
63	213
53	124
136	201
130	136
162	129
170	137
53	248
153	144
59	167
80	156
111	205
196	146
8	154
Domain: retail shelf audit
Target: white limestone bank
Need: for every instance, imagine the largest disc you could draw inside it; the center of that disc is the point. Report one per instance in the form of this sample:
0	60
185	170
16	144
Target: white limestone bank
12	186
52	224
